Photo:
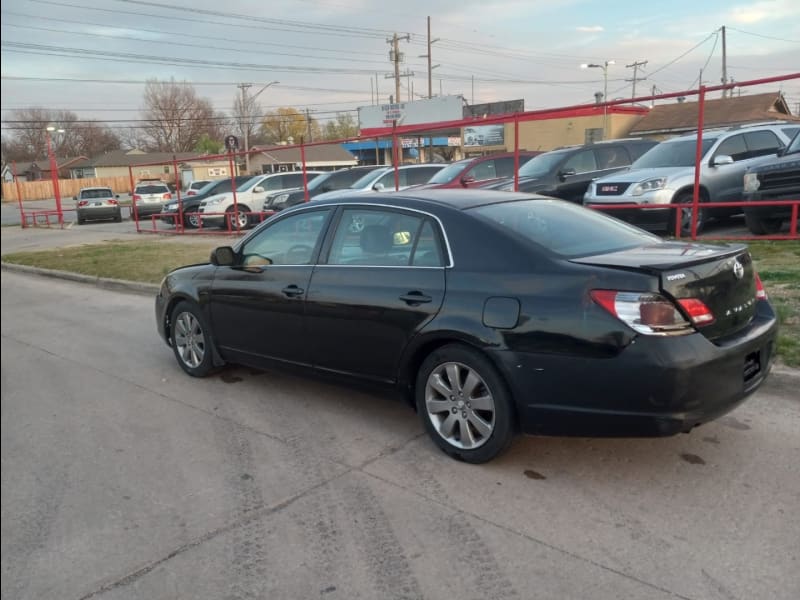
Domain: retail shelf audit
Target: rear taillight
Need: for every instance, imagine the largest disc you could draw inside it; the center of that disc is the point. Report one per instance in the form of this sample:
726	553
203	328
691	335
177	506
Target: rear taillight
191	193
83	203
645	312
761	292
698	312
167	196
136	197
112	201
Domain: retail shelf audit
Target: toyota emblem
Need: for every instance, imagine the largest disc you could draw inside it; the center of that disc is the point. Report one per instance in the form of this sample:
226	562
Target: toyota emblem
738	269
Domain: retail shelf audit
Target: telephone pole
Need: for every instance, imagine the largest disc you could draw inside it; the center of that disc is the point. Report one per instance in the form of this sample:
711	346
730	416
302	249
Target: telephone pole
396	57
724	63
430	59
308	125
635	66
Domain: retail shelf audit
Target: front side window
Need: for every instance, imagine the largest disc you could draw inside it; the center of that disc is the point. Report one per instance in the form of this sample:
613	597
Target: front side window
290	241
612	157
582	162
380	238
734	147
483	170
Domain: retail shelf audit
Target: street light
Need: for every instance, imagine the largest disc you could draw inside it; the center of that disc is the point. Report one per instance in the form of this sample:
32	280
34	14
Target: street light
604	66
246	107
54	171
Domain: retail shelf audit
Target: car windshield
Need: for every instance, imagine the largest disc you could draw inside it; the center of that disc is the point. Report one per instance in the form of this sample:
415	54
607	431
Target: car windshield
196	185
449	172
564	228
103	193
672	154
367	180
794	145
541	165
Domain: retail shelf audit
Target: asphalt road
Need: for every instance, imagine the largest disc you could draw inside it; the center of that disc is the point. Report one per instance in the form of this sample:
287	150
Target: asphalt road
124	478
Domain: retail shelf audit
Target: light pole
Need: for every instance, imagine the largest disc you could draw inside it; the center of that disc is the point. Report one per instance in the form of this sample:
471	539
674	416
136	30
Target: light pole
54	171
604	66
246	109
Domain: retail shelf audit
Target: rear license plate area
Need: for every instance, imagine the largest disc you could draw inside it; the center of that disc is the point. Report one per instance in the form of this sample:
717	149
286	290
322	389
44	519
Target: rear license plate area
752	365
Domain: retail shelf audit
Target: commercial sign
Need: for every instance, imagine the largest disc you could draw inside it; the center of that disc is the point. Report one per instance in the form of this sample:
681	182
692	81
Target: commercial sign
485	135
373	119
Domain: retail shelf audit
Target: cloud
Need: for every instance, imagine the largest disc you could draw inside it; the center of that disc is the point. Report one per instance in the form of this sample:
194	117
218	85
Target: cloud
590	29
764	11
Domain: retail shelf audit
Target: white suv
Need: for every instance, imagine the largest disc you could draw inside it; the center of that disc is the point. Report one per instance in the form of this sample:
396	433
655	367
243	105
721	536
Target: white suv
250	197
665	175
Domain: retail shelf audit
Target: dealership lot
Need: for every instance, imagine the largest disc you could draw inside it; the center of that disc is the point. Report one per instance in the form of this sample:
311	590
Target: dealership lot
124	478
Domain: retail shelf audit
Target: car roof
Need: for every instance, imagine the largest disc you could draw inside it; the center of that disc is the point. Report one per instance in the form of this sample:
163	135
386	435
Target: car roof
457	199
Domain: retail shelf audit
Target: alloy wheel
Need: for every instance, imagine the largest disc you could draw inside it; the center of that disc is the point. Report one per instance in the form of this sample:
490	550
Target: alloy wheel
189	340
460	405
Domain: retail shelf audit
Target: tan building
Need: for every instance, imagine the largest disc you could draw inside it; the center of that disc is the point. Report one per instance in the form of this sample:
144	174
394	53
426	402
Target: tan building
324	157
152	165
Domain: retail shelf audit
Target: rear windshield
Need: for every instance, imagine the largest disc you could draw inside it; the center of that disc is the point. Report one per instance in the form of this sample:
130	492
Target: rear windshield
565	229
104	193
152	189
672	154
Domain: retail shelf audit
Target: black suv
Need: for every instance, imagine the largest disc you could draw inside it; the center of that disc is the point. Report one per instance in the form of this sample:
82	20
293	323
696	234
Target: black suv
566	172
777	178
327	182
191	204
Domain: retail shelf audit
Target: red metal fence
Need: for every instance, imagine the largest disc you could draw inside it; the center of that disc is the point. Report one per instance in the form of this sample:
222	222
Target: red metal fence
160	223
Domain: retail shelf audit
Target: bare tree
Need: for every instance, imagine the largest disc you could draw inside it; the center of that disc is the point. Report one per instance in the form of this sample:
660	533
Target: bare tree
176	117
28	138
246	117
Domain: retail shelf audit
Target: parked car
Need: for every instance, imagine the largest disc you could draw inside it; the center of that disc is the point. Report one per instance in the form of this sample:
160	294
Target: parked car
566	172
664	175
195	186
96	204
329	181
191	219
472	172
773	179
149	198
382	180
249	198
561	320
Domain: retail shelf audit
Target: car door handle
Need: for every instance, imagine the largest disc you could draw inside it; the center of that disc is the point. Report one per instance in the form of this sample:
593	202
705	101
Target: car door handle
292	291
415	298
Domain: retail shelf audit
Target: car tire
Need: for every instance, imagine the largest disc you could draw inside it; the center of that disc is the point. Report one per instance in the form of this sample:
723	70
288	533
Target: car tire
243	217
191	221
685	215
81	221
118	219
450	383
762	225
190	338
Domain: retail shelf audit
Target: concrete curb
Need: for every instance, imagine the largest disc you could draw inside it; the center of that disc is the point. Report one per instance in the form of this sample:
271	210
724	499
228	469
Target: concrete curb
150	289
147	289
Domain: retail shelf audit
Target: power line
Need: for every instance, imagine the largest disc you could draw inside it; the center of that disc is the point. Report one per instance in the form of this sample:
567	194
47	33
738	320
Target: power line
767	37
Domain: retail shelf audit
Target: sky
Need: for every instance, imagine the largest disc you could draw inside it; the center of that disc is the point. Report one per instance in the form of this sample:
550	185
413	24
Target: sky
329	56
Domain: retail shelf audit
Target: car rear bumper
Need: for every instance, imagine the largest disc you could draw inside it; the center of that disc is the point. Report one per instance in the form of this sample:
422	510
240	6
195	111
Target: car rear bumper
653	387
144	209
99	212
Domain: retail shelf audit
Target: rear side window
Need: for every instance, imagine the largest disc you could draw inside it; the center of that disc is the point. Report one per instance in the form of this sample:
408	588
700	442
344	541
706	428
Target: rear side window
761	143
564	228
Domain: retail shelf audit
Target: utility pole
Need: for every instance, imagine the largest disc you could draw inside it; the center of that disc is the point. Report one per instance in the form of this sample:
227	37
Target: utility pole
308	125
724	62
396	57
635	66
430	59
245	126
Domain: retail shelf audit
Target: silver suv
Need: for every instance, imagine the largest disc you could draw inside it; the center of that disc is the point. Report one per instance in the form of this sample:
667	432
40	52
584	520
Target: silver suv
665	175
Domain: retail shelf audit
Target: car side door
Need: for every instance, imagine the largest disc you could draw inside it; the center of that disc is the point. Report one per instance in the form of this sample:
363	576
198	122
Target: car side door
575	174
382	281
725	181
257	306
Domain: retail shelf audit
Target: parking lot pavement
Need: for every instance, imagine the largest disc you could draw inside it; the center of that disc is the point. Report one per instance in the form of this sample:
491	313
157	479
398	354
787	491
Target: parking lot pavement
124	478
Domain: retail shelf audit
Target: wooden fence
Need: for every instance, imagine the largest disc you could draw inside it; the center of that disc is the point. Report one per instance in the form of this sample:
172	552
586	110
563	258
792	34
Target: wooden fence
43	189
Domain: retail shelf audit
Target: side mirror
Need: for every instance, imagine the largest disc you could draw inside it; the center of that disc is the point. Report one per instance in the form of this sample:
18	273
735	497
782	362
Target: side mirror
222	256
467	179
721	159
564	173
258	190
116	196
378	187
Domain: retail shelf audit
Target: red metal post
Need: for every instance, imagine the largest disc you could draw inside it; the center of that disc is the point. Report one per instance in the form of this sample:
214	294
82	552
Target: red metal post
793	222
516	152
19	194
701	105
54	178
305	174
394	155
134	213
179	224
233	187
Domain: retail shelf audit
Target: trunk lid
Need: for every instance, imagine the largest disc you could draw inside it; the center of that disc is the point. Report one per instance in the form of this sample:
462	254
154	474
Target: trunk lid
722	277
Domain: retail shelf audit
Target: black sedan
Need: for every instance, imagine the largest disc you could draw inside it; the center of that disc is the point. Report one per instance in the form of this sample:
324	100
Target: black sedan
492	311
